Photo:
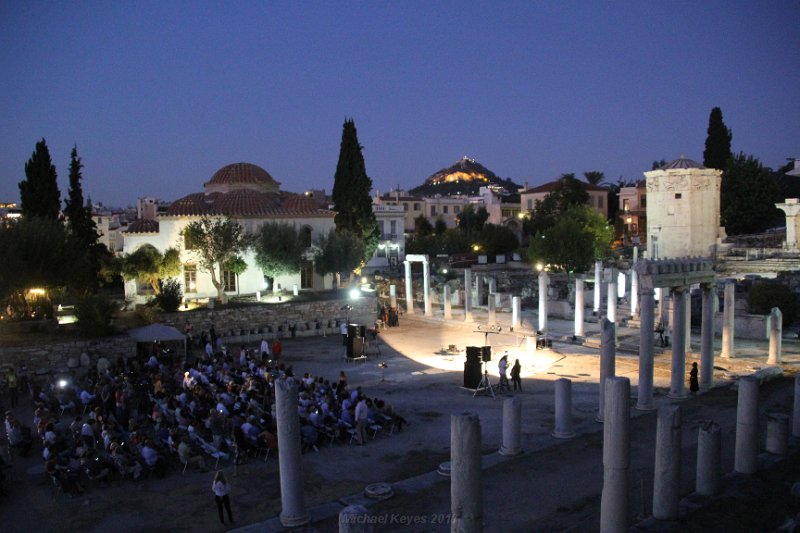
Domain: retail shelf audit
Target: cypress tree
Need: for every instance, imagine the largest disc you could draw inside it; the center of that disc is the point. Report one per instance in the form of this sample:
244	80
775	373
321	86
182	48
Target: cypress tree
718	142
39	194
78	212
351	188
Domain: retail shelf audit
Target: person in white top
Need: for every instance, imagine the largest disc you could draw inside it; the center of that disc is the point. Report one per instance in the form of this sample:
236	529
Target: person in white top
221	490
264	350
343	331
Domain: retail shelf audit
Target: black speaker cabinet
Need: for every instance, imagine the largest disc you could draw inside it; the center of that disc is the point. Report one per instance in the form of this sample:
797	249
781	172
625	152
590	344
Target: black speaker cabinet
472	375
486	354
474	354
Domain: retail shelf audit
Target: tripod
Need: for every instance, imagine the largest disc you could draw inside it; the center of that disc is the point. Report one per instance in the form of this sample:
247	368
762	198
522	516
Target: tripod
484	384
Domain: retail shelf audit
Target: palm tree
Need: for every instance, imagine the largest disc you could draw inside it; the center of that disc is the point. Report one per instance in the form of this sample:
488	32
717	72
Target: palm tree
595	177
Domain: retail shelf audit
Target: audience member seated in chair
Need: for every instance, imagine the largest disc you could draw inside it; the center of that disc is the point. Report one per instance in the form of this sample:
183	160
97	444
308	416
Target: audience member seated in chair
188	457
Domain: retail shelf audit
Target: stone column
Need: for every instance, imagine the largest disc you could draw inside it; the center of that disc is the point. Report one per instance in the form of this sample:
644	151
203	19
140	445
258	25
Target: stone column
544	282
622	284
580	330
777	433
512	422
598	285
426	288
634	293
677	388
611	299
663	311
775	334
468	295
796	407
608	354
491	309
687	320
563	429
516	307
709	453
492	285
644	401
792	209
746	454
290	466
393	296
448	307
728	320
478	290
466	490
667	477
707	339
354	519
409	289
614	502
635	254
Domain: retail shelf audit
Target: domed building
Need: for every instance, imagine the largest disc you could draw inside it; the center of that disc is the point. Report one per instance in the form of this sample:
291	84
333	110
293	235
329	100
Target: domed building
247	194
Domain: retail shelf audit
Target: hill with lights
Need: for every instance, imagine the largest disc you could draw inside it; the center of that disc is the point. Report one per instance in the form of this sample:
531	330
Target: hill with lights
464	177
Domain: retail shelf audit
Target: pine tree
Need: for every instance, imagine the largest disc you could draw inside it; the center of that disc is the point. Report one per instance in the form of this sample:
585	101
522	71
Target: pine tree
351	188
718	142
78	212
39	194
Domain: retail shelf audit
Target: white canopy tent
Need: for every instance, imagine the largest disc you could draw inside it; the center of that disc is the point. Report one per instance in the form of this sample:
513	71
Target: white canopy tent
157	333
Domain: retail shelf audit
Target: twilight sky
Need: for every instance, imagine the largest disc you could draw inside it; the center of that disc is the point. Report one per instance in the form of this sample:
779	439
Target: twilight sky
159	95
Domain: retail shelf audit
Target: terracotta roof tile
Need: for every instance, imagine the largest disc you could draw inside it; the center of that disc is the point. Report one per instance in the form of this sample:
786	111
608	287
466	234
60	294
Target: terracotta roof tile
142	225
247	203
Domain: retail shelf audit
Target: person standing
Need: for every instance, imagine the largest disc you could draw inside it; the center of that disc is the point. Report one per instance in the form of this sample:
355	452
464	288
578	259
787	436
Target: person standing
343	331
13	387
221	490
515	379
264	350
502	367
361	415
694	386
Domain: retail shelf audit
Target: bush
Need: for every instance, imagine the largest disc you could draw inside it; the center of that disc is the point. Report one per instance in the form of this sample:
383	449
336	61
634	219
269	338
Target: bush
766	294
94	314
170	295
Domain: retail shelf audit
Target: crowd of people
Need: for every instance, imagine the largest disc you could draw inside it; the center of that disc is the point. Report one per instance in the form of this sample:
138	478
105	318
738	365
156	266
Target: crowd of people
143	417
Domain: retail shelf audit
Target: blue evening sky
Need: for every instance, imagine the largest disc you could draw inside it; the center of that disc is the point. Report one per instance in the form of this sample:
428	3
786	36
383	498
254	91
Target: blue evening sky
159	95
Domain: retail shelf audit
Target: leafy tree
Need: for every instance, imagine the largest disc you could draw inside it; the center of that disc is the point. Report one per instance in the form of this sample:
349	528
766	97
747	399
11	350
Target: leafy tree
422	226
341	251
440	227
768	293
147	265
278	249
718	142
215	242
94	314
748	196
351	187
169	295
39	194
471	220
452	241
495	240
659	164
567	192
594	177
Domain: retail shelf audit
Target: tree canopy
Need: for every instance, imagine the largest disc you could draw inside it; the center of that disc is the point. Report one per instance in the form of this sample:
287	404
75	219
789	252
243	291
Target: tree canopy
471	220
39	194
594	177
748	195
351	188
214	243
341	252
278	249
718	142
147	265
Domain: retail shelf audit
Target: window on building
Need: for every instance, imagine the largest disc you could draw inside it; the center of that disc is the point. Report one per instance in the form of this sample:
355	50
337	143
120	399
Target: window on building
188	242
444	209
456	209
189	278
678	196
530	204
600	202
643	201
433	210
416	207
393	229
626	204
229	281
305	236
381	251
307	275
405	206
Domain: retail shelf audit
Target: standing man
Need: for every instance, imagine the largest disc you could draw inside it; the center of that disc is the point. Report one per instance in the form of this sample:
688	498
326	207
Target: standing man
343	331
502	367
264	350
361	421
13	387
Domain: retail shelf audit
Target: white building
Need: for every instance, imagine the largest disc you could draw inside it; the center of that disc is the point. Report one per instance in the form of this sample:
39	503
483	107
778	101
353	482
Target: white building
683	210
109	230
245	193
392	247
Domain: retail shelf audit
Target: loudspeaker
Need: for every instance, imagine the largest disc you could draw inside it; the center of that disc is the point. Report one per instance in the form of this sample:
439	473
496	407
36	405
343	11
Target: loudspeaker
352	330
486	354
472	375
474	354
362	331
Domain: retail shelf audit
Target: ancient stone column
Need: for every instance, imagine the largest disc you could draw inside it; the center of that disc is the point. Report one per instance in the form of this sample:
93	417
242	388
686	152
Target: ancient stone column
409	289
354	519
728	320
635	254
796	407
687	320
448	307
777	433
290	466
579	307
622	284
707	339
746	453
492	285
516	307
792	209
663	311
478	290
677	388
393	296
468	295
709	459
608	352
466	490
491	309
614	502
598	285
775	334
563	429
667	476
634	293
426	288
544	282
644	401
512	422
611	300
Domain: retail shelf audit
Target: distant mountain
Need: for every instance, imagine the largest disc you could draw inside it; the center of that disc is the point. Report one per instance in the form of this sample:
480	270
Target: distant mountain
464	177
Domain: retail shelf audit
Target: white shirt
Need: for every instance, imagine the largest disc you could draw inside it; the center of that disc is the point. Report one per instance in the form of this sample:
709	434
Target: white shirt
501	366
220	489
264	346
